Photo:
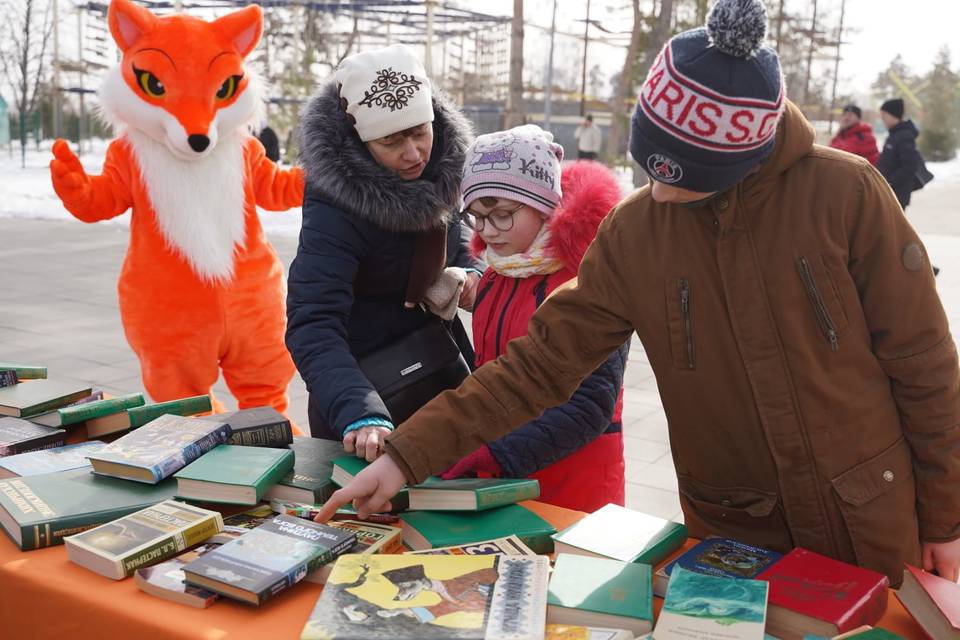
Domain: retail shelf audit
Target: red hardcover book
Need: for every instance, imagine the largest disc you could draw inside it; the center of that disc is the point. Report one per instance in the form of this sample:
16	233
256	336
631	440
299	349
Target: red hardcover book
934	603
813	594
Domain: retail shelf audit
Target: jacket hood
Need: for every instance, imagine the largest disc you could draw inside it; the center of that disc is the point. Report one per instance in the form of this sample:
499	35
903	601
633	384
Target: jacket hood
905	128
590	191
795	136
339	169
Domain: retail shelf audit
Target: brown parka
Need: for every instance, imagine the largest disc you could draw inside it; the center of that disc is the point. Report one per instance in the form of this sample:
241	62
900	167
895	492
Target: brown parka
801	351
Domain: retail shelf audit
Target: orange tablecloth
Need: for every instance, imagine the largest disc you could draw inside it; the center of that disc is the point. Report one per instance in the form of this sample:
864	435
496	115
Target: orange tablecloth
43	595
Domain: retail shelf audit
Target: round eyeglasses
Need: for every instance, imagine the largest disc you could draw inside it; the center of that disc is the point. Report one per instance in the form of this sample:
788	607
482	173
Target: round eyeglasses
501	219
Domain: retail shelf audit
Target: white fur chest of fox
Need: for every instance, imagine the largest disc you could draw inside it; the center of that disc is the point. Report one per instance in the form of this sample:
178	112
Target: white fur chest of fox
201	289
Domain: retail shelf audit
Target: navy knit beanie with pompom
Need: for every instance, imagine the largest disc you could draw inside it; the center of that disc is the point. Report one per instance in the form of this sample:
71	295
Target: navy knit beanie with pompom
708	111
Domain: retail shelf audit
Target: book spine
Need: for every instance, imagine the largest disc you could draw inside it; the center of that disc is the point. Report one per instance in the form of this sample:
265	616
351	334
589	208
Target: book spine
172	544
499	496
8	377
100	408
272	435
26	373
140	416
275	475
39	444
663	547
53	532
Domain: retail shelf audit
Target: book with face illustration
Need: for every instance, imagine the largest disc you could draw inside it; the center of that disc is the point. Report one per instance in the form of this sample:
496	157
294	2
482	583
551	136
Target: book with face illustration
401	597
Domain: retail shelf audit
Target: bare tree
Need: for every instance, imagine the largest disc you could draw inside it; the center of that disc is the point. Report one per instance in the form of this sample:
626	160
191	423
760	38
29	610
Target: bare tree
516	109
23	49
625	87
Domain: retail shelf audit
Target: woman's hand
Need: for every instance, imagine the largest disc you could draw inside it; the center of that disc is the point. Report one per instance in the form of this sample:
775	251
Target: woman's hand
369	491
366	442
469	294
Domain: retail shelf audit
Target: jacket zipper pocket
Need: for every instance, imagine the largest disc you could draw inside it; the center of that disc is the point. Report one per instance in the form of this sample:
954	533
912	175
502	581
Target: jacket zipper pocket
684	286
819	306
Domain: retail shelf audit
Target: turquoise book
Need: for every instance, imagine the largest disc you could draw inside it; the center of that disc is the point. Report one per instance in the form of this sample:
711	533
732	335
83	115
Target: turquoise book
159	449
39	511
471	494
600	592
622	534
432	529
33	463
233	474
705	607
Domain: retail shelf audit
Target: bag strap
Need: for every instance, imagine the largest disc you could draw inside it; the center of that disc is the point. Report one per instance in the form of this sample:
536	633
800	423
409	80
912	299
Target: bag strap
429	259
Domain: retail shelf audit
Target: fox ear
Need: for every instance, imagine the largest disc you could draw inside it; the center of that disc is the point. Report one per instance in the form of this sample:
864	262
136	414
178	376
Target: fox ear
128	22
243	28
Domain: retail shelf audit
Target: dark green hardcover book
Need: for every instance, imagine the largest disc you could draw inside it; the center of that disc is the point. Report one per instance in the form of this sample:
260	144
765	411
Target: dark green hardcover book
600	592
234	475
471	494
39	511
309	482
88	411
622	534
140	416
258	427
39	396
21	436
269	559
346	467
432	529
26	372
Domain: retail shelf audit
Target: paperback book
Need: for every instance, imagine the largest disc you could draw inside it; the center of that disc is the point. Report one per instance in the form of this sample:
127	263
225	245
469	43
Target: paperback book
371	538
166	580
509	546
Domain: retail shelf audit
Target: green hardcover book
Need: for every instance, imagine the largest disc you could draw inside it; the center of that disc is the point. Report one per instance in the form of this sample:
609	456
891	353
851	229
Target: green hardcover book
346	467
622	534
599	592
309	482
39	511
703	607
432	529
140	416
39	396
233	474
471	494
117	549
88	411
25	372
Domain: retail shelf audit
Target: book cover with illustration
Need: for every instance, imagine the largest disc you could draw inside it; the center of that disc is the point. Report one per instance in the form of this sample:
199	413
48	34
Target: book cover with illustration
32	463
705	607
269	559
159	449
240	523
508	546
718	557
371	538
398	597
166	580
118	548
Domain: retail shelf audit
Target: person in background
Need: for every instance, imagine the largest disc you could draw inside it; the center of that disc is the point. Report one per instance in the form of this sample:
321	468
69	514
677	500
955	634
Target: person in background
534	221
271	143
856	136
788	311
589	139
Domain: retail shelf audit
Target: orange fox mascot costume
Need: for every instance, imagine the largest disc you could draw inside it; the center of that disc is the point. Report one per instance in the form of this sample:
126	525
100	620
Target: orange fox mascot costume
201	288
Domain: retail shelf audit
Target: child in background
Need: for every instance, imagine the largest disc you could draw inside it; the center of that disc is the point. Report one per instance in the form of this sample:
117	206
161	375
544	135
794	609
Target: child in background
534	221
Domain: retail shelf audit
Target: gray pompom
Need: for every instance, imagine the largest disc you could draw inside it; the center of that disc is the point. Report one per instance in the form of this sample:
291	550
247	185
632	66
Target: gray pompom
737	27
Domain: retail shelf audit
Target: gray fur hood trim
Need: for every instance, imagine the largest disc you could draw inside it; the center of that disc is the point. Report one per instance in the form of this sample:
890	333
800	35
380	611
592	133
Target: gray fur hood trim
339	169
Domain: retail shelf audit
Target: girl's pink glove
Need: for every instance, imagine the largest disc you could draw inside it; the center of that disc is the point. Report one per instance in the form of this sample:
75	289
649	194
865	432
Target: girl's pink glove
480	462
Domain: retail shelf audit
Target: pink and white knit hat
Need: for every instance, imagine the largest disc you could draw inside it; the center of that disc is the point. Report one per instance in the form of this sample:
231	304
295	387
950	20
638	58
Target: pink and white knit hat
521	164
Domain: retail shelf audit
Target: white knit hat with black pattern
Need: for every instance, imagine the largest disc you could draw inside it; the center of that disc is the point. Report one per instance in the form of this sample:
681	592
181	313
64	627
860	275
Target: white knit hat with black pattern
384	91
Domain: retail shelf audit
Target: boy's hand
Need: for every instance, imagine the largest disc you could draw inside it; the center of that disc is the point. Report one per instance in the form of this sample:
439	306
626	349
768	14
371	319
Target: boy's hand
370	490
944	557
366	442
70	181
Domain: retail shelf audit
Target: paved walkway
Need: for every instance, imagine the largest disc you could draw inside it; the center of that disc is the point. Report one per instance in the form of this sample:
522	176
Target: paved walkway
58	308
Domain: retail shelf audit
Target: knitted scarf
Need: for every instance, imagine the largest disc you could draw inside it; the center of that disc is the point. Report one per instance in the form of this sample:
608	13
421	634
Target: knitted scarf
532	262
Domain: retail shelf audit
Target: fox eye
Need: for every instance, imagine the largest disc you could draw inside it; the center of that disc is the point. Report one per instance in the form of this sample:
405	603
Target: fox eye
150	84
229	87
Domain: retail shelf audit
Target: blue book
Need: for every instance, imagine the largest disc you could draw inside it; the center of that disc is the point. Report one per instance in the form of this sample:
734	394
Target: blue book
709	607
718	557
159	449
32	463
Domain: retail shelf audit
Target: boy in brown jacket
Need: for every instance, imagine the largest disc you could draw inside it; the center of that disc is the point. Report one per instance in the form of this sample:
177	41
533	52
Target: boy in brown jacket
788	309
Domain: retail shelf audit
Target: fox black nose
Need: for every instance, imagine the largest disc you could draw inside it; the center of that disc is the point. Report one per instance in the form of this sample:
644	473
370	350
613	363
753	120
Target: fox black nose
198	142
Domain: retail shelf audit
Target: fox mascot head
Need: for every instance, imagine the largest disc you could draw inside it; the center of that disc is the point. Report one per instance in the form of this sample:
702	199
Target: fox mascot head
182	80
